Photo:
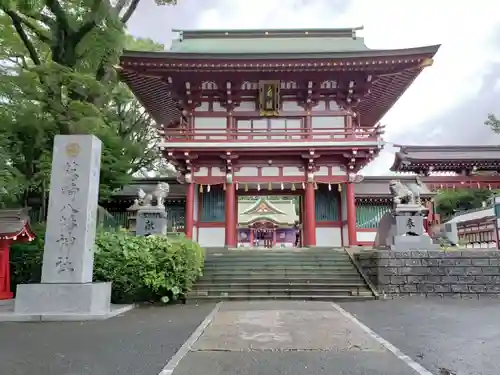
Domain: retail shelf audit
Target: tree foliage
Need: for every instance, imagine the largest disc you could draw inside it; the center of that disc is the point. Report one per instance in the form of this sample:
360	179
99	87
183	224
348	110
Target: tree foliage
57	76
450	202
493	123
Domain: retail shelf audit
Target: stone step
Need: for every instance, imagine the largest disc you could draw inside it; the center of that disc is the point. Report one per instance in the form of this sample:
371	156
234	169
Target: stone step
288	273
281	285
272	262
278	266
311	279
257	297
278	256
274	292
305	277
276	261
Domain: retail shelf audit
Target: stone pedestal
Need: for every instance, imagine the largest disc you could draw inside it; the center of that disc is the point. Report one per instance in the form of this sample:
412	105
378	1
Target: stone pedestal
151	221
408	231
64	299
66	291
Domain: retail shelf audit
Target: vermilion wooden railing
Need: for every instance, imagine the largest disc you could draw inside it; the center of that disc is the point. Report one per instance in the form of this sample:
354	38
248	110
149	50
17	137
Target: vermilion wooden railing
248	135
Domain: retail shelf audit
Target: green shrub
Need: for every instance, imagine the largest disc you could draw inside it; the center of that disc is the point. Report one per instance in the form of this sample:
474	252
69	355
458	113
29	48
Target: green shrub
147	268
141	268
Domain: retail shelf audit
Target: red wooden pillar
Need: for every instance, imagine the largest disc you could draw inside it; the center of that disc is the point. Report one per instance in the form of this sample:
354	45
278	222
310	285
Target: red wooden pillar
251	238
236	226
230	201
189	222
274	237
351	214
309	216
5	292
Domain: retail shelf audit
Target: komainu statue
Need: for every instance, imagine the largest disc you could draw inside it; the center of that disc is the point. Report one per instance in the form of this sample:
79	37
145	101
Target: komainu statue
144	198
401	194
161	193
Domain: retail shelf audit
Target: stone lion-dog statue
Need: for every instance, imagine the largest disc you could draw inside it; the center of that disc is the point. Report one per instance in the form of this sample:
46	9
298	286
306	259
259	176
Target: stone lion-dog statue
401	194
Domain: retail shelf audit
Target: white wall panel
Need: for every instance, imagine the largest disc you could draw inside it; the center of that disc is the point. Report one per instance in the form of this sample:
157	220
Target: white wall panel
330	237
211	237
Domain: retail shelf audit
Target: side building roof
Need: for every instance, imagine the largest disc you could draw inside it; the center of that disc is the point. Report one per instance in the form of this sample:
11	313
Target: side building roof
378	186
476	215
446	158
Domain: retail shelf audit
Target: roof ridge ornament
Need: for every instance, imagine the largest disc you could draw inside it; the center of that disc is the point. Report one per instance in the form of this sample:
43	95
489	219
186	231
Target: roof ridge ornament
429	61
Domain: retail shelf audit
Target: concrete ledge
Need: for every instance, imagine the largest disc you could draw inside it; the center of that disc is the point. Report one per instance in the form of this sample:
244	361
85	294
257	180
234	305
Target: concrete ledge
8	315
470	274
63	298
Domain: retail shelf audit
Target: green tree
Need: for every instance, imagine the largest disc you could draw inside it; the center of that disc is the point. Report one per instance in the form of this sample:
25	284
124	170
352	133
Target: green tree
493	123
57	77
449	202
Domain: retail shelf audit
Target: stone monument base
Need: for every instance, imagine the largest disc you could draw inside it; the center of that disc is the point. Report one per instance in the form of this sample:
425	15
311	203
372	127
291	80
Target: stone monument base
406	243
63	302
151	220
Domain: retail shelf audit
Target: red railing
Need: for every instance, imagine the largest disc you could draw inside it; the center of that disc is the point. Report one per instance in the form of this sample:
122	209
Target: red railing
248	135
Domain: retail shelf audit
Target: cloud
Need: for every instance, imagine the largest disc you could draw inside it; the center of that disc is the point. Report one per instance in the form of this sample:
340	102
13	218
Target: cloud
449	101
156	22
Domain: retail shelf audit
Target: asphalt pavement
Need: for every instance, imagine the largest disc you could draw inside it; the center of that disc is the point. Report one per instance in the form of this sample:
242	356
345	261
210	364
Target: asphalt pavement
446	336
139	342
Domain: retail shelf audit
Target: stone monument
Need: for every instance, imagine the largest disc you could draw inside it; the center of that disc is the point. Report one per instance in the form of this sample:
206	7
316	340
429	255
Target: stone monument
152	219
66	291
402	229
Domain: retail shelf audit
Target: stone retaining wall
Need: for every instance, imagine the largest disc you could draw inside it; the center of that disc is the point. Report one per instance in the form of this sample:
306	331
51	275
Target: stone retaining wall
434	273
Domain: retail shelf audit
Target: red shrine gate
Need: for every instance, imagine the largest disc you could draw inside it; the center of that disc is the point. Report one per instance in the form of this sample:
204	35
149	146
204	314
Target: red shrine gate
281	110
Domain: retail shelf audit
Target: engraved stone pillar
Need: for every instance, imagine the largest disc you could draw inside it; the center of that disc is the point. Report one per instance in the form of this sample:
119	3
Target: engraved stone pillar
66	291
71	222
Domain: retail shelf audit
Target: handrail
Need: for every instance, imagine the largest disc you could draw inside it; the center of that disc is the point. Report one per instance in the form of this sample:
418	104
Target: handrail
210	134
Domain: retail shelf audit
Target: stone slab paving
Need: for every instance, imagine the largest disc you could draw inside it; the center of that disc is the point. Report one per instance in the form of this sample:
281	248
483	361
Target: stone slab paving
138	343
458	336
287	338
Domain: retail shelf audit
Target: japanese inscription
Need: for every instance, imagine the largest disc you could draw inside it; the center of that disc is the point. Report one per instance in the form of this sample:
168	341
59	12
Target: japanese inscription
68	220
151	220
269	98
149	225
410	224
71	220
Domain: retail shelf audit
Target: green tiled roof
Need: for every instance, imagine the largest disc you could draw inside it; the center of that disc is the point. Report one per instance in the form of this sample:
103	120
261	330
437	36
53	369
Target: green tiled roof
285	212
272	41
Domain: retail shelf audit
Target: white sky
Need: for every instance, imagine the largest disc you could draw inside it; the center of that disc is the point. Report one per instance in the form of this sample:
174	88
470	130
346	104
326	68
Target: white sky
467	31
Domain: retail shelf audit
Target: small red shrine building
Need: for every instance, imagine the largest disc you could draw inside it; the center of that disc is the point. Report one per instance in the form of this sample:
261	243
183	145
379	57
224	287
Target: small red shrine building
14	226
270	112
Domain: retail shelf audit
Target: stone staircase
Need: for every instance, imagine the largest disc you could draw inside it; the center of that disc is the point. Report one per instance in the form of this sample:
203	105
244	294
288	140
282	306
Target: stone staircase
280	274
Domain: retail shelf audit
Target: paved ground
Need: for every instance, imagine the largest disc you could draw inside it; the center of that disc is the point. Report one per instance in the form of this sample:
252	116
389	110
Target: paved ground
462	336
292	338
447	337
137	343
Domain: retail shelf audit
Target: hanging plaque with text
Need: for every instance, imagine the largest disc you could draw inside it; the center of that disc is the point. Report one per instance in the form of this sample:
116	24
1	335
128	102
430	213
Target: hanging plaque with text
269	98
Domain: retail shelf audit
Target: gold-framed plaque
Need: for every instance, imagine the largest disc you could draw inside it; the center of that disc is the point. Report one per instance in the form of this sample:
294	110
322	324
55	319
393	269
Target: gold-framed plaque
269	98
